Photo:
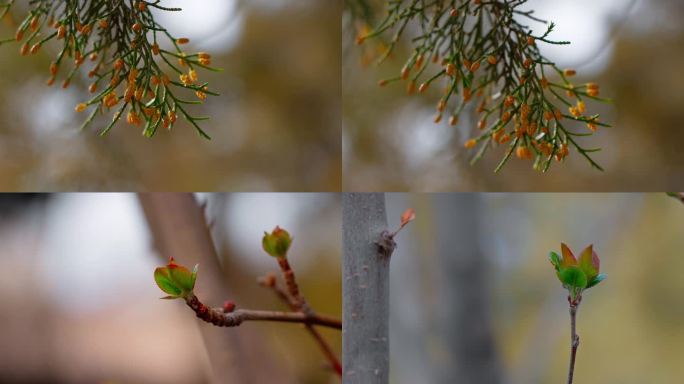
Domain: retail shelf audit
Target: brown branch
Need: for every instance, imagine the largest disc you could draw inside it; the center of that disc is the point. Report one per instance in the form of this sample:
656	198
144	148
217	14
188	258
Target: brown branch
292	287
269	282
220	318
574	337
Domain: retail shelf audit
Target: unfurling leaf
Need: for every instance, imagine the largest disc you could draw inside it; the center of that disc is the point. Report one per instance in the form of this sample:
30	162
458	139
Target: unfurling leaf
408	216
277	242
589	263
573	277
574	274
175	280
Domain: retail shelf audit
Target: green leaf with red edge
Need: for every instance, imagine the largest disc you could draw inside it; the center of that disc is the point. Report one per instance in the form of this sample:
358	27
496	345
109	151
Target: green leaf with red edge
165	282
568	258
277	243
175	280
573	277
589	263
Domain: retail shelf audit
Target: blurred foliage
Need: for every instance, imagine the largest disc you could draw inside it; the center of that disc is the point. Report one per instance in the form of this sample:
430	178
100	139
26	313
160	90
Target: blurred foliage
389	145
278	116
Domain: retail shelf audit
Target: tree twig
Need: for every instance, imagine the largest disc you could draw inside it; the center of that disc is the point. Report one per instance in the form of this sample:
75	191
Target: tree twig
220	318
269	282
574	337
292	286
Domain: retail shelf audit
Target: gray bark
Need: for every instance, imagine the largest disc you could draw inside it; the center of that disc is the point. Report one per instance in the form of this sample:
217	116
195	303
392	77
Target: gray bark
365	285
179	229
464	322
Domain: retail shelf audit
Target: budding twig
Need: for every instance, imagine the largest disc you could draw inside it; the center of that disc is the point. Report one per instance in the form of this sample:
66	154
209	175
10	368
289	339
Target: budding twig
220	318
574	337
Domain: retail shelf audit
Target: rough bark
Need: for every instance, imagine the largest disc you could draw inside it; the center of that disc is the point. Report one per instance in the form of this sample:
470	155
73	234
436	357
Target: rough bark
179	229
365	325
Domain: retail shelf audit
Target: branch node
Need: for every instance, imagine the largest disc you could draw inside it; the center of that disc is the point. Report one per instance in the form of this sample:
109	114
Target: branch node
386	244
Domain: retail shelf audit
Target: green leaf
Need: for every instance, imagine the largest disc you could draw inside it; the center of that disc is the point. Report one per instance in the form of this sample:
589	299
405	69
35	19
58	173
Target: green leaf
277	242
596	280
165	283
182	277
555	259
589	263
573	277
175	280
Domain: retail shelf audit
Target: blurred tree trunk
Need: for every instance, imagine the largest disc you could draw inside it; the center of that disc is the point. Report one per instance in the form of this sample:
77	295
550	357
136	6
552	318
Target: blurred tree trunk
464	319
365	286
179	229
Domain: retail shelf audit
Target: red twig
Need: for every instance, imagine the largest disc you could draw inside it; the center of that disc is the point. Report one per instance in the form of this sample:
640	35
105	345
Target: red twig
220	318
292	287
269	282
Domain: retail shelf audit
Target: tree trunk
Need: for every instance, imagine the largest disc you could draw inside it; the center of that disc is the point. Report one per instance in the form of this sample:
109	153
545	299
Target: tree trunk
365	286
179	229
464	321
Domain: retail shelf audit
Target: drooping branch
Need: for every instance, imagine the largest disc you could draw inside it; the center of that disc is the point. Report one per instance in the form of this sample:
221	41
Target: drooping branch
484	52
121	43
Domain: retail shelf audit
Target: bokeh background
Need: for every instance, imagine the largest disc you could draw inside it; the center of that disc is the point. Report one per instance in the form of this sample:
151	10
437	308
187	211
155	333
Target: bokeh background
631	47
278	114
474	298
79	302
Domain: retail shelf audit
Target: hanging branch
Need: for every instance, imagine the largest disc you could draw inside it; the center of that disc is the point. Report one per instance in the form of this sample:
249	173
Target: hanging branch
129	64
480	50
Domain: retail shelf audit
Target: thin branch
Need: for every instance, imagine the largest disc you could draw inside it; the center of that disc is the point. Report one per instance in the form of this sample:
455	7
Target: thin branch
220	318
292	286
574	337
269	282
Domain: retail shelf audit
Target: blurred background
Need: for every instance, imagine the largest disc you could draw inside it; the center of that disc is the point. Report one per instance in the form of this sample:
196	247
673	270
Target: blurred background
79	302
278	113
474	298
632	48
